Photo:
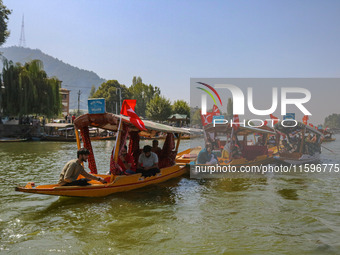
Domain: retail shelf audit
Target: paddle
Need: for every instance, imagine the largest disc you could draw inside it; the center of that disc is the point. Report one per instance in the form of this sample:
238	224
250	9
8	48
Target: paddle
328	149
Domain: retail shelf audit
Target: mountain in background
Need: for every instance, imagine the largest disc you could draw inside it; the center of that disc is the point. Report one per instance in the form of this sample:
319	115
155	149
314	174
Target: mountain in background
72	78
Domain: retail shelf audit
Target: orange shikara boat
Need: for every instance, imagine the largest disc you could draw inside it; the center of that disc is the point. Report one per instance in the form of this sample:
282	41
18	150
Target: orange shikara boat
116	182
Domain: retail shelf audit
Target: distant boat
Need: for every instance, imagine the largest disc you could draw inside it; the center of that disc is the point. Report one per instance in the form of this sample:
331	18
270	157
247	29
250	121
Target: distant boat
10	140
303	144
64	132
59	132
327	135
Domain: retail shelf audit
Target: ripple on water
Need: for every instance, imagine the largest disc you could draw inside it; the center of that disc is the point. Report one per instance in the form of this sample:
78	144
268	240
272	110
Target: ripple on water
287	214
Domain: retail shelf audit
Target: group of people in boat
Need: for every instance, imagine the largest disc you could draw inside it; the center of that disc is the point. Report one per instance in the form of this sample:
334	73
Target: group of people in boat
147	165
233	148
294	143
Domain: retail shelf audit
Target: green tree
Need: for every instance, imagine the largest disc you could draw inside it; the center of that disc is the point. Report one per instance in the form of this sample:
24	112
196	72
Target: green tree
158	108
143	94
110	91
93	90
333	121
4	13
195	117
28	90
181	107
136	80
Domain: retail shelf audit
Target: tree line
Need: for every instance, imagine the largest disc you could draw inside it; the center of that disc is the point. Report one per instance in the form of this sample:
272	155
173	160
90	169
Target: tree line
150	103
332	121
26	90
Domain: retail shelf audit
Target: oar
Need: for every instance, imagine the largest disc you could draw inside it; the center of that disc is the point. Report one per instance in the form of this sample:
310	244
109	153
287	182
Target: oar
328	149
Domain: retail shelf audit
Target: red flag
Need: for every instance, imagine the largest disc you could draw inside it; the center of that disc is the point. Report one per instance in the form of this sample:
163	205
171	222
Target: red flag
310	124
305	119
325	130
275	120
128	107
207	118
129	102
237	120
216	111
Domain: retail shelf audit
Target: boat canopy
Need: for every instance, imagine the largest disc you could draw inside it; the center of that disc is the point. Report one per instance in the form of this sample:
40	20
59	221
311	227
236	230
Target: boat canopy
59	125
110	121
224	128
298	127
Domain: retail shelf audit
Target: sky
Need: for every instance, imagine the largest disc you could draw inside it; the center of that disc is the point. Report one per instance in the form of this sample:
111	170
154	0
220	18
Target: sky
169	42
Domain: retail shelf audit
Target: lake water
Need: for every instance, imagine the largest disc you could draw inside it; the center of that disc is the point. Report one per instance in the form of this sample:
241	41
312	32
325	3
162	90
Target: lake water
275	214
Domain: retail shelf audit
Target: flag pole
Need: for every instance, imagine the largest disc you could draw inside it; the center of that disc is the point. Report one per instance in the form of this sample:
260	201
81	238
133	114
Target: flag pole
115	151
231	143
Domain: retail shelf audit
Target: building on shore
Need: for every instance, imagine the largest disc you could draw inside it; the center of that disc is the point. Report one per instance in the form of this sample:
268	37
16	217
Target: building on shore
65	100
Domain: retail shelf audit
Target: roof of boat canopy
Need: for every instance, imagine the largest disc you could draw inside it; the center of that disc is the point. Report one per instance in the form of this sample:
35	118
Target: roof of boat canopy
59	125
241	130
110	121
298	127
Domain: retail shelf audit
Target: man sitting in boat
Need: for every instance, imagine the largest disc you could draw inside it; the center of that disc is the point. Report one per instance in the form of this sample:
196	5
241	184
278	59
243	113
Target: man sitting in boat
155	148
73	168
272	140
259	141
288	148
148	162
206	156
126	162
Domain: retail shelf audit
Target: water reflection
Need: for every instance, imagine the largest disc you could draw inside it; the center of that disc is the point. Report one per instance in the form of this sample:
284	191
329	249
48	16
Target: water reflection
288	194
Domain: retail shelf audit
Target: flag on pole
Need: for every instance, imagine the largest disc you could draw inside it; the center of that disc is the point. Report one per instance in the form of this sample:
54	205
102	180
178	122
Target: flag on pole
305	119
128	109
216	111
236	119
275	119
206	118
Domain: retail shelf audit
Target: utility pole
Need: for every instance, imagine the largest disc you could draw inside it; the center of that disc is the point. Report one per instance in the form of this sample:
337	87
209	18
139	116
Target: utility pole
120	99
79	93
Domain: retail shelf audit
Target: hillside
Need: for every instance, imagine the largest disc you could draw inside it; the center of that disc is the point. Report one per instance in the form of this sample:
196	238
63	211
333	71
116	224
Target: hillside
72	78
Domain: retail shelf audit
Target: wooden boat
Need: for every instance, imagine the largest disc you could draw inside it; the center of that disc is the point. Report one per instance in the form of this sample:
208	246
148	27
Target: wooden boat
304	141
59	132
64	132
117	183
249	152
327	136
187	156
12	140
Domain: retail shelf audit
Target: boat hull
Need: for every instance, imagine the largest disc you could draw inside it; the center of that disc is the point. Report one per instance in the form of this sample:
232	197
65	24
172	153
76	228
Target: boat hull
121	183
259	160
303	159
327	140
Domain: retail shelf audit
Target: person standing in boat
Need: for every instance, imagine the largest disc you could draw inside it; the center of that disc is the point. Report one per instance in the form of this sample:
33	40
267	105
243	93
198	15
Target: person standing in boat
206	156
73	168
148	162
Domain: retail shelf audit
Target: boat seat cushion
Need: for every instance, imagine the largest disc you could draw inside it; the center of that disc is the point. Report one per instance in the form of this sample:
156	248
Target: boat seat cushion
251	152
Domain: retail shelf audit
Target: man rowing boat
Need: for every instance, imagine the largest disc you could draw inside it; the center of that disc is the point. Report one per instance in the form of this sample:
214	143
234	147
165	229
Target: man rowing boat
73	168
